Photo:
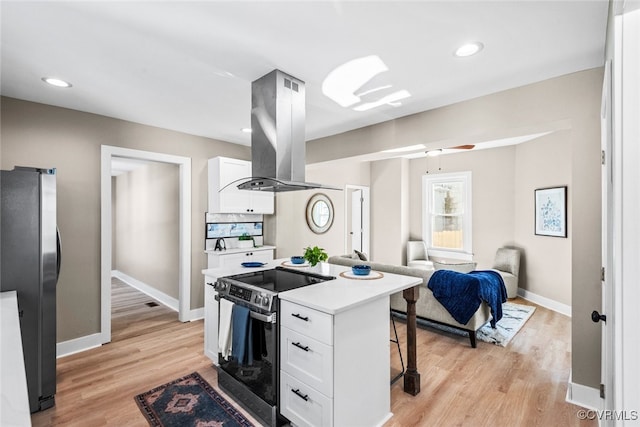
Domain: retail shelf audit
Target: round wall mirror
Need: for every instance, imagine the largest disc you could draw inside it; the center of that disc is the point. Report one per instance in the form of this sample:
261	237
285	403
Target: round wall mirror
319	213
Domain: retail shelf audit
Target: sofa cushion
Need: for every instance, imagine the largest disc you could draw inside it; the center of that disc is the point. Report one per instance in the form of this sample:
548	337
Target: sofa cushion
421	263
462	267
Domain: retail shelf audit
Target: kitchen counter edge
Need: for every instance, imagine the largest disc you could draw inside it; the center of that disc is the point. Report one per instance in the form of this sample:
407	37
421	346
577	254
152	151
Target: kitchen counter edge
333	296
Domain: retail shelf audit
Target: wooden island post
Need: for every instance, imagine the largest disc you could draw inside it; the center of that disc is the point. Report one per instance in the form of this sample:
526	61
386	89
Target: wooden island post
411	376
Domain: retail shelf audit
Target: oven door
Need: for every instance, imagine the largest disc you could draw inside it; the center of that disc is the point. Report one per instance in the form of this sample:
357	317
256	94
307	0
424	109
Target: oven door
260	375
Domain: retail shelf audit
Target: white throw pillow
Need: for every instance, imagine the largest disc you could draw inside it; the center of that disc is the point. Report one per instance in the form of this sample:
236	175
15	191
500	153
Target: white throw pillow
464	267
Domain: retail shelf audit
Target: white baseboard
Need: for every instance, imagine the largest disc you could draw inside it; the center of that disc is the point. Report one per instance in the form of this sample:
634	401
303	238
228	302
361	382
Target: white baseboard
159	296
76	345
545	302
582	395
196	314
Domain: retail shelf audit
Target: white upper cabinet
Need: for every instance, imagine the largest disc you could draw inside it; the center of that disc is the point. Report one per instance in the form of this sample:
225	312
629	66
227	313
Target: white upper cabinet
224	197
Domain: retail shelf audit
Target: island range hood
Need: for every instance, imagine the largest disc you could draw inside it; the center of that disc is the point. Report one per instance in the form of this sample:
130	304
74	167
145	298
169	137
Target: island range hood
278	135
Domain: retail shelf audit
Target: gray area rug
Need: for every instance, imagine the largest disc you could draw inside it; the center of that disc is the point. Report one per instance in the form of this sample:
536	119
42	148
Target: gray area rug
514	316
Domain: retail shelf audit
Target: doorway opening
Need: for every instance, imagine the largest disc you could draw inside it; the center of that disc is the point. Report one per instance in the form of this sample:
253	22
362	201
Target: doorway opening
357	218
108	153
145	242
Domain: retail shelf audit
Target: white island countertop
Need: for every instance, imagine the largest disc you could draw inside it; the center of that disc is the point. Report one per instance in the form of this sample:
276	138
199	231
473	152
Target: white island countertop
332	296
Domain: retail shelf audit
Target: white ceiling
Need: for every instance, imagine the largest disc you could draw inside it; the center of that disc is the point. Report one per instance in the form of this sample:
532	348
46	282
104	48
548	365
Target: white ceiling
188	66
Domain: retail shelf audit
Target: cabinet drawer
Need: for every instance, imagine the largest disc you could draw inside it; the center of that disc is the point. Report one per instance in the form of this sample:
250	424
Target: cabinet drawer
307	321
303	405
307	359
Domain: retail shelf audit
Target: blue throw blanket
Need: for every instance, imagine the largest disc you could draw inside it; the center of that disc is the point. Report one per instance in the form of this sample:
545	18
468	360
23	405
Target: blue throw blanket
461	294
242	341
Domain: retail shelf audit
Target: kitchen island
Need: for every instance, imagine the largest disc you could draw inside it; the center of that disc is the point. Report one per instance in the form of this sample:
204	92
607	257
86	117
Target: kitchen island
334	344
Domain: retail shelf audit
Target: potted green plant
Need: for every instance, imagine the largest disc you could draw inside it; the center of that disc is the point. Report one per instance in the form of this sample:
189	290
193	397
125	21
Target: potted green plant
315	255
245	241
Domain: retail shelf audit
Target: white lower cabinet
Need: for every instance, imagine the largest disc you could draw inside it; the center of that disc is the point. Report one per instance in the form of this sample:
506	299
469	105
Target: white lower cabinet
235	257
303	405
334	369
309	360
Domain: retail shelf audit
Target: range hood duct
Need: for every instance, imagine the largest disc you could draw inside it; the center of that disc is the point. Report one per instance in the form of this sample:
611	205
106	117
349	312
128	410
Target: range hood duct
278	146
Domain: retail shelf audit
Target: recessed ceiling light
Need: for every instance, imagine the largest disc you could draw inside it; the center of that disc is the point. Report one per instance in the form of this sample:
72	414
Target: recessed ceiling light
56	82
246	130
469	49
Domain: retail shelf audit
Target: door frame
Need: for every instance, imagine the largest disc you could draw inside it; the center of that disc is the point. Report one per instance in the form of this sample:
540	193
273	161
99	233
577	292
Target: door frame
184	264
626	231
366	217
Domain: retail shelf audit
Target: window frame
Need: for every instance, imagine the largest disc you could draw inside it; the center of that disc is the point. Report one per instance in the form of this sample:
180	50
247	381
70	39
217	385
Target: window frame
466	253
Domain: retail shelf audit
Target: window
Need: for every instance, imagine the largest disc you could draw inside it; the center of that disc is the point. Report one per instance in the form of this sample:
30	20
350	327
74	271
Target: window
446	221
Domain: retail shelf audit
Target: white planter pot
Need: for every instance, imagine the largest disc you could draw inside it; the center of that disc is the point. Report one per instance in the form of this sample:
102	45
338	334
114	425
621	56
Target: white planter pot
321	268
244	244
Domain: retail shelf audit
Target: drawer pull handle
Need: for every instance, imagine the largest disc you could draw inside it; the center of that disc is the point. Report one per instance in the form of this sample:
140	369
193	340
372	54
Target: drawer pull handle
304	397
306	319
300	346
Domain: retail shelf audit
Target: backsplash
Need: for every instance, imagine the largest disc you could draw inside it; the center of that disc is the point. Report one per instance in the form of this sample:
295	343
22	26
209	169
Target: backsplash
230	226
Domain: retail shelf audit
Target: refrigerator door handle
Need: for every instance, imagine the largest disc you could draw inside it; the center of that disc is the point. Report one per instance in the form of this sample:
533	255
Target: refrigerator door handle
59	253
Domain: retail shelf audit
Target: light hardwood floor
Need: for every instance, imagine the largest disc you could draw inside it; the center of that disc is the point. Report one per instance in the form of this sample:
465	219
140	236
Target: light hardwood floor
523	384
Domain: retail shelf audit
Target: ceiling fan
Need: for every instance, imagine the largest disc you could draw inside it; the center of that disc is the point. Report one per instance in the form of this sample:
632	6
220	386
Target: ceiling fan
438	151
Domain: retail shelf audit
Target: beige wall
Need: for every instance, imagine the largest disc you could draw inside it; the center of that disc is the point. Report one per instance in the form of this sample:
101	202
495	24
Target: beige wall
288	229
504	180
570	103
45	136
545	265
492	198
146	226
389	210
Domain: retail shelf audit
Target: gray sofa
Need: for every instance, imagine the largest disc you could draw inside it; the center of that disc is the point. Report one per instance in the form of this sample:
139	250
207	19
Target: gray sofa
427	307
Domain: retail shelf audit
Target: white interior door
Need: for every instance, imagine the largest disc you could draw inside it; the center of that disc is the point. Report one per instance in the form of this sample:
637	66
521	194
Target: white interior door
356	220
606	126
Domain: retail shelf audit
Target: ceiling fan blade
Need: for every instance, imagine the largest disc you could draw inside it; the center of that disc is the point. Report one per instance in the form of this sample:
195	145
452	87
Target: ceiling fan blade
464	147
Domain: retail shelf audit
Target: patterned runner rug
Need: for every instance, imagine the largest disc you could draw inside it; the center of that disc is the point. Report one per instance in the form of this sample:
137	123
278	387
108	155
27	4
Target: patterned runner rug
189	401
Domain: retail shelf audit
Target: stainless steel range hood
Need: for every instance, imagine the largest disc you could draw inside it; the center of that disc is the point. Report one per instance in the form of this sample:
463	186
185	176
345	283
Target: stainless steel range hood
278	135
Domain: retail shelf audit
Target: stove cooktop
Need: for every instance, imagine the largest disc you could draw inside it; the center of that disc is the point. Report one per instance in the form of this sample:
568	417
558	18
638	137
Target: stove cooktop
279	279
259	288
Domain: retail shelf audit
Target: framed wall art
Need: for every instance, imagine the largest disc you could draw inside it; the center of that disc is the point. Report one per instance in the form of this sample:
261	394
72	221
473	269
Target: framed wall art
551	211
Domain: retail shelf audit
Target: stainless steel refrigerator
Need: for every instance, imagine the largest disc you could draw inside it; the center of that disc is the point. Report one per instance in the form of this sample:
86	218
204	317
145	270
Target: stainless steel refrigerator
30	255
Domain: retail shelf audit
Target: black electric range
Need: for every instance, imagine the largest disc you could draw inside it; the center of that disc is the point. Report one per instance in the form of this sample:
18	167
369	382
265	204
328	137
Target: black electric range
254	383
257	289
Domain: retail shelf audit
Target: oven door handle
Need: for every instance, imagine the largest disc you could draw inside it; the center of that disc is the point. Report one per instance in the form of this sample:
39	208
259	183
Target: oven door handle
270	318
